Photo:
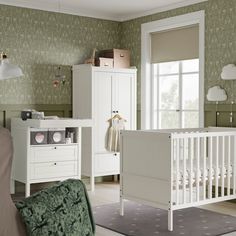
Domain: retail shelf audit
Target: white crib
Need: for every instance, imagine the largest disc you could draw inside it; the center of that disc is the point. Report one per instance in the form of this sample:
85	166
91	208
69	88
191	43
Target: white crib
176	169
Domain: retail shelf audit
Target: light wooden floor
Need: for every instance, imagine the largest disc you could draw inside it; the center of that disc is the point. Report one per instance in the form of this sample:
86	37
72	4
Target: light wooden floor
106	193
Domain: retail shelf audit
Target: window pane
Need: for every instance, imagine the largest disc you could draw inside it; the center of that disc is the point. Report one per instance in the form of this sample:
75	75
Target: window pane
191	92
169	92
191	119
169	68
169	120
190	65
154	122
155	93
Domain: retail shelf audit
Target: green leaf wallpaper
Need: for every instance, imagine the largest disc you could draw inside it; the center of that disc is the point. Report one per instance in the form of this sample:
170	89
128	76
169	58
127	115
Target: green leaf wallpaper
220	40
39	41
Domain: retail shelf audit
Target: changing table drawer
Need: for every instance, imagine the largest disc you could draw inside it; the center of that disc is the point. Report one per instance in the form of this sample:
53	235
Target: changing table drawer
53	170
107	164
53	153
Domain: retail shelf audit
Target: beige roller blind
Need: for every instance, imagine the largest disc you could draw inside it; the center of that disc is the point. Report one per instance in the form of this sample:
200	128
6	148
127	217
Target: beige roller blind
175	45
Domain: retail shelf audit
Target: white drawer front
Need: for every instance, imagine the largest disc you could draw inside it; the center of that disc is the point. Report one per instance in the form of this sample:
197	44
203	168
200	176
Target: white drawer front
53	170
107	164
53	153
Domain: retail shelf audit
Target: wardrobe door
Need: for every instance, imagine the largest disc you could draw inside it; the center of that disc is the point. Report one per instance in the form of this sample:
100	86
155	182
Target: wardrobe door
124	97
102	109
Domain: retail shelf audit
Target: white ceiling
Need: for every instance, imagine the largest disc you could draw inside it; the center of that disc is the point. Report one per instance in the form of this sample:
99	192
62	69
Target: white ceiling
119	10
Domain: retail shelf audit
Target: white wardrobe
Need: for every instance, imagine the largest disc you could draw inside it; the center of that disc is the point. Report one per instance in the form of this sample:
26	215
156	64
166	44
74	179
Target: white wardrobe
98	94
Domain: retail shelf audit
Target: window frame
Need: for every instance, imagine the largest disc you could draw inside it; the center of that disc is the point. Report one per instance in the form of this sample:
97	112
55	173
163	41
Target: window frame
146	69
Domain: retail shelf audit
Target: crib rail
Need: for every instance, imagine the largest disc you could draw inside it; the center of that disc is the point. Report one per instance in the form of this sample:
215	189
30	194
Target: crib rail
203	167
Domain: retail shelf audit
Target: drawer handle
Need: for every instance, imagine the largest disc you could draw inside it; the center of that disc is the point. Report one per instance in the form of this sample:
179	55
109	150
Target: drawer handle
121	55
55	164
115	154
55	147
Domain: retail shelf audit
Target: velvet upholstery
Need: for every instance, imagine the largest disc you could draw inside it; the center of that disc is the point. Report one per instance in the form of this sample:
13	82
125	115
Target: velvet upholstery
60	210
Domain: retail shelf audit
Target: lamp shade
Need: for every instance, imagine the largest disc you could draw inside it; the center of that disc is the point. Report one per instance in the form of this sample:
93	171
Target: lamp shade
8	70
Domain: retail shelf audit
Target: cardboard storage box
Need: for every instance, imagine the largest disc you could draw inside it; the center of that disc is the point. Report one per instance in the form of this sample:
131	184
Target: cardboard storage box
121	57
104	62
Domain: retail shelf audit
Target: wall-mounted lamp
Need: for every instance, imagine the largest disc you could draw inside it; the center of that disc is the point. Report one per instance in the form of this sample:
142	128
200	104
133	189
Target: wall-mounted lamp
229	73
216	94
8	70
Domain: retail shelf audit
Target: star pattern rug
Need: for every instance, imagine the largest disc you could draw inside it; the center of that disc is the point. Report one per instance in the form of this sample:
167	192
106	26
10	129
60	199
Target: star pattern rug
142	220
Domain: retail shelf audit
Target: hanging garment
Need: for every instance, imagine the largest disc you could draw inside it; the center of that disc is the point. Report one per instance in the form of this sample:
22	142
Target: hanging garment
117	124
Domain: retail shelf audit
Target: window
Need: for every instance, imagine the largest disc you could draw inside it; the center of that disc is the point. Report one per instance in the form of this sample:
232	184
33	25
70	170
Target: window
156	113
175	95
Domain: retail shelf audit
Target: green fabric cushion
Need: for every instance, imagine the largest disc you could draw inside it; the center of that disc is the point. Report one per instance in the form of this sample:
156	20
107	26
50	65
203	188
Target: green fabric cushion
63	209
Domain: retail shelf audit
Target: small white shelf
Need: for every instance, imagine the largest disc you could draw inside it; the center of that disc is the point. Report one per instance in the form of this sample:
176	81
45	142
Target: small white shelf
52	144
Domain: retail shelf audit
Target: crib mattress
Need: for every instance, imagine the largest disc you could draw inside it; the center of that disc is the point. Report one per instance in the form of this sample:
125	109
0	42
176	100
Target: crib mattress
200	172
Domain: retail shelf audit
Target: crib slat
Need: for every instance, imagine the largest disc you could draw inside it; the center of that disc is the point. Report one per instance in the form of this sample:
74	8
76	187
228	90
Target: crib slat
204	168
228	166
184	172
197	177
210	169
191	169
223	168
217	166
177	170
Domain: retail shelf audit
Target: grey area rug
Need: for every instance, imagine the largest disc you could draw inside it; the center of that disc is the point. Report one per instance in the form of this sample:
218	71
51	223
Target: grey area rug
141	220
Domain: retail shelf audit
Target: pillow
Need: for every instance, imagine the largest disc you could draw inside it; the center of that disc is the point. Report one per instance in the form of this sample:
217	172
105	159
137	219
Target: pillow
63	209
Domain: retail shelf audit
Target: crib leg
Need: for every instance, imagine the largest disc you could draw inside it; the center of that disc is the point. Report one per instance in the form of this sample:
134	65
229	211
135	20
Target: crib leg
121	206
170	220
